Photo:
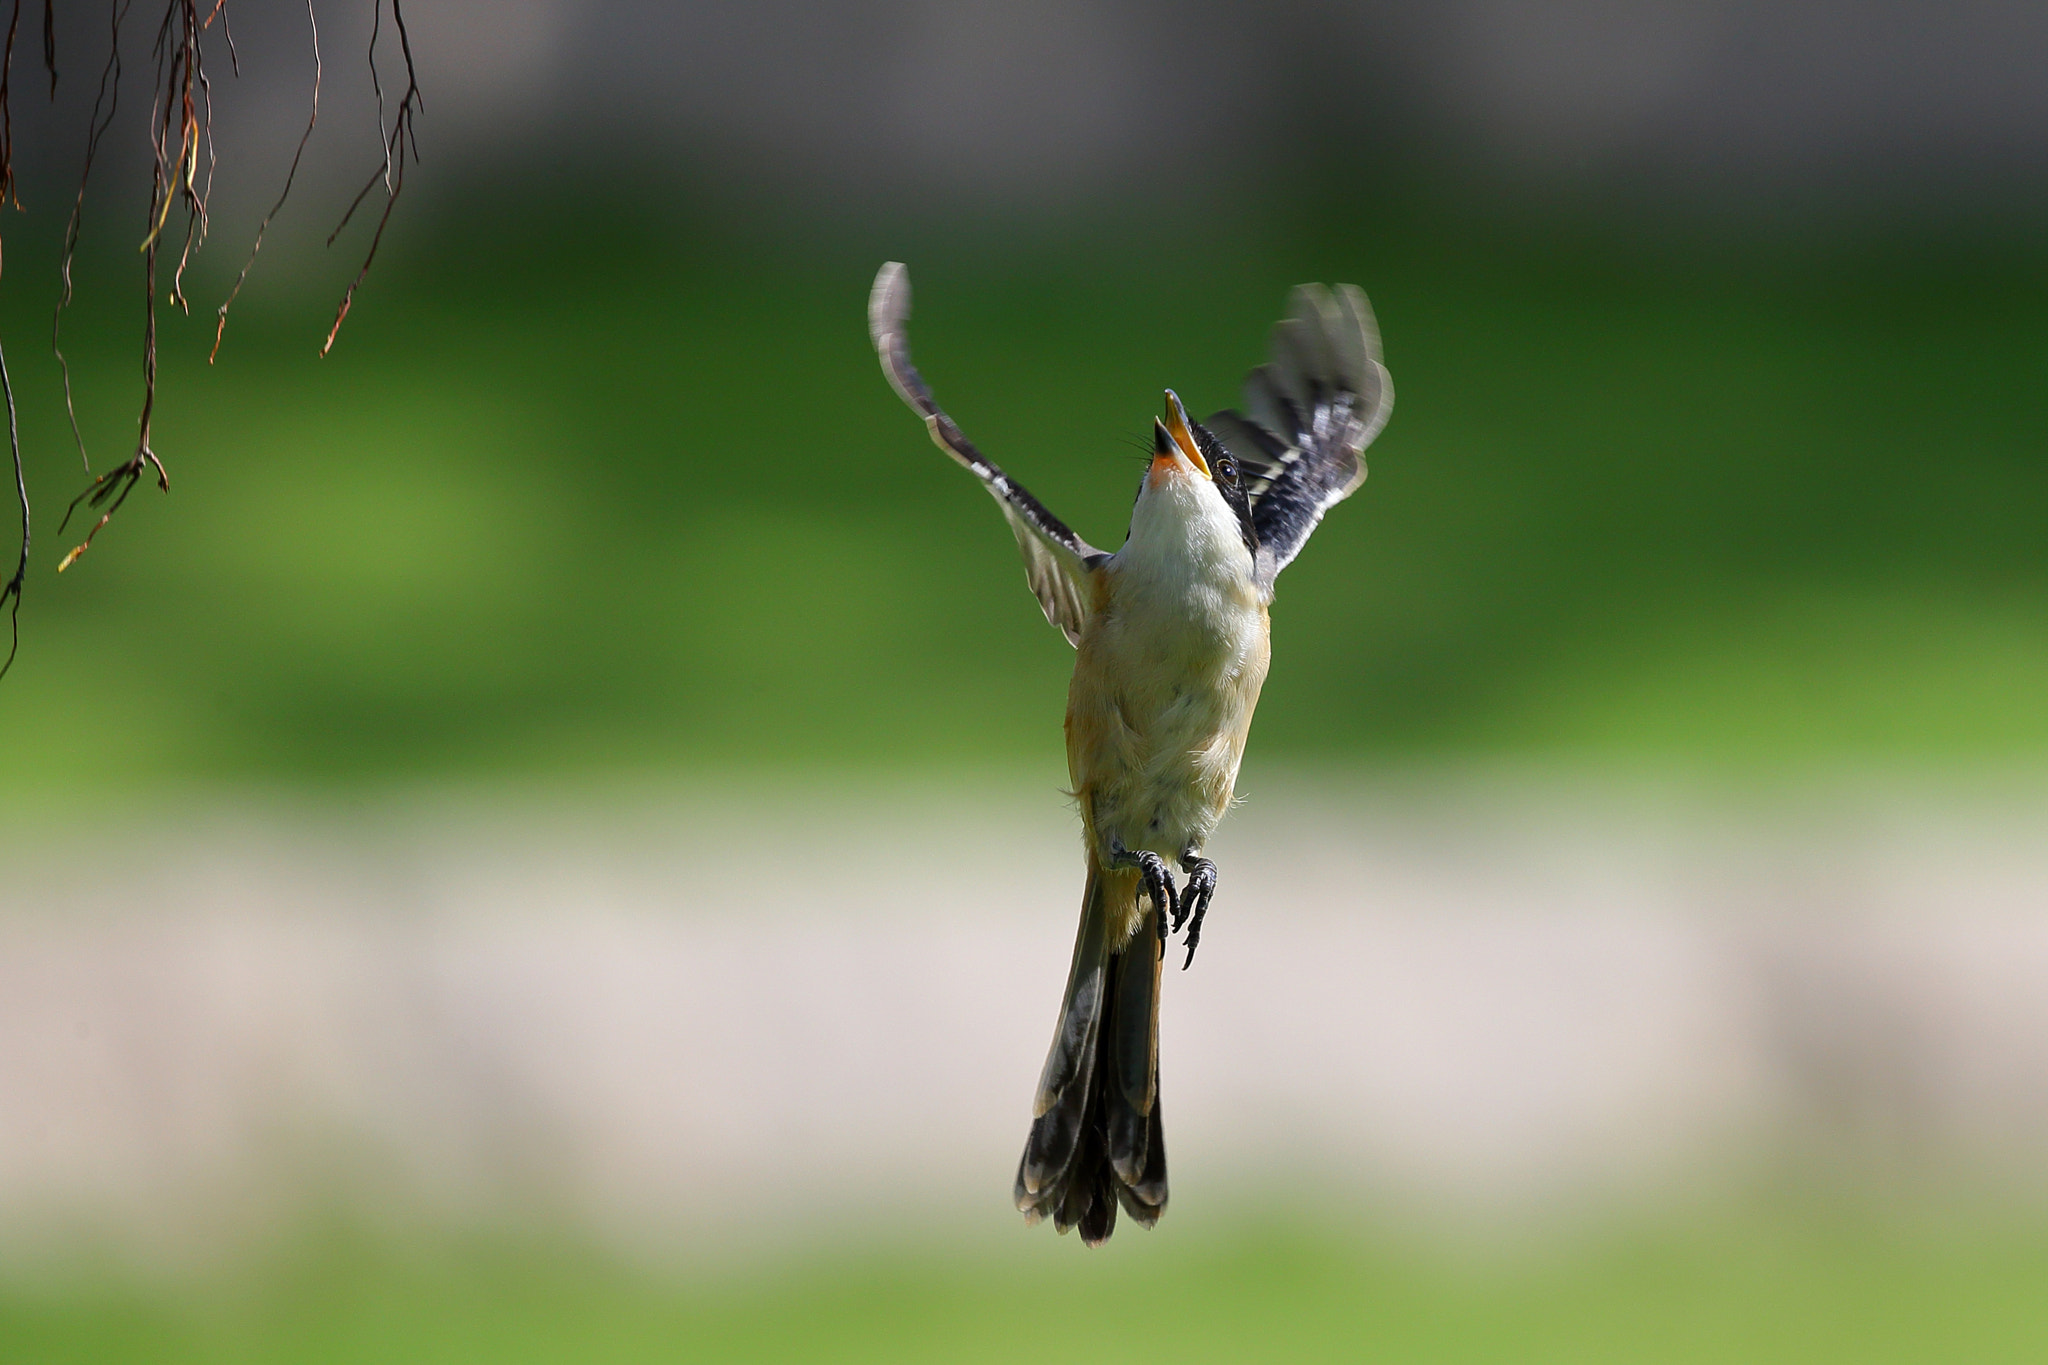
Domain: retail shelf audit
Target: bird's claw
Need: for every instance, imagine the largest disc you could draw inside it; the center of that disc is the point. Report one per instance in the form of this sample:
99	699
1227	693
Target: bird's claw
1175	911
1194	901
1158	885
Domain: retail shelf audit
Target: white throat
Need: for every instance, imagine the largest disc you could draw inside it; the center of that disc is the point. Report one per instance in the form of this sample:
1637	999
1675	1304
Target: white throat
1184	535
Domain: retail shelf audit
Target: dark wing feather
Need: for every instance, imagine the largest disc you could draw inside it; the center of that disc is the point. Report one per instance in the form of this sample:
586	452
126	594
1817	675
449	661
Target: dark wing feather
1310	412
1057	562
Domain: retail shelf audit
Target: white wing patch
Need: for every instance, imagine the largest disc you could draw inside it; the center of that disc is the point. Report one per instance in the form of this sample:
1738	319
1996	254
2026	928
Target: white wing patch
1310	413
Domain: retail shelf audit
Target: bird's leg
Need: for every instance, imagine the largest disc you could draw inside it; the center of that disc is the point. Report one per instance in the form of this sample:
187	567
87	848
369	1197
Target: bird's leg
1194	899
1158	882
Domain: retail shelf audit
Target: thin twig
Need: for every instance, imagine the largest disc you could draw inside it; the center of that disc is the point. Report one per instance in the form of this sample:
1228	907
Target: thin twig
398	144
228	30
377	84
196	221
112	488
109	96
180	120
11	594
7	188
289	176
180	129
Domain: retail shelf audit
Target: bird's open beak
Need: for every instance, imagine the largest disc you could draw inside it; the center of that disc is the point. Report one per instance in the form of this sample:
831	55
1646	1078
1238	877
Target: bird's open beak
1173	441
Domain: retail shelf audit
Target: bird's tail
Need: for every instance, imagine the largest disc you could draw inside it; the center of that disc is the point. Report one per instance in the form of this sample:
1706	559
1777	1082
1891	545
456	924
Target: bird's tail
1095	1140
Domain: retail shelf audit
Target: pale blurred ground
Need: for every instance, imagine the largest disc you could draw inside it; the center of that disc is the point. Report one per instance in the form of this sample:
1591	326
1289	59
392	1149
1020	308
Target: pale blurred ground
1461	999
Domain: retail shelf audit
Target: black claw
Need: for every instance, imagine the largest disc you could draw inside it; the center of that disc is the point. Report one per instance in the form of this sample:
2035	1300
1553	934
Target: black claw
1158	884
1201	886
1194	937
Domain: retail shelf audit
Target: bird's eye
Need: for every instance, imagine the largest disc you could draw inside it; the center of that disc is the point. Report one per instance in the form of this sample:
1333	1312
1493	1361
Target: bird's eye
1227	469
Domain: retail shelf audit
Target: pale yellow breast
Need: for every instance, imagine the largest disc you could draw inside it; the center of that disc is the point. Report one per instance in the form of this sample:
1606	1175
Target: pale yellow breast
1162	698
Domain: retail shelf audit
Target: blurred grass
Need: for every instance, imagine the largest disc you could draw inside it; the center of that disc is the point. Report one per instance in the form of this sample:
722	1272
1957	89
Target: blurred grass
603	492
1762	1287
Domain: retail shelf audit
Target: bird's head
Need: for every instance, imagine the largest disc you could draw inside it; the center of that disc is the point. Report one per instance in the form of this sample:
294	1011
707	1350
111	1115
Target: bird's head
1186	454
1175	450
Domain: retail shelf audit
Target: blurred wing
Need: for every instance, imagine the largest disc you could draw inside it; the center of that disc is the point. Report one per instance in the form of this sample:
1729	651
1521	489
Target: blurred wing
1057	563
1310	413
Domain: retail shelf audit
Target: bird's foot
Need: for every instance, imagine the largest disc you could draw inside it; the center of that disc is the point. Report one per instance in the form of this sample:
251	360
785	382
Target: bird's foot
1194	900
1158	884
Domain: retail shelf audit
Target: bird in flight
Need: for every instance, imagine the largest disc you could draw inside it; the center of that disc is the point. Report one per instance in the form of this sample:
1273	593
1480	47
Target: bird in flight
1171	646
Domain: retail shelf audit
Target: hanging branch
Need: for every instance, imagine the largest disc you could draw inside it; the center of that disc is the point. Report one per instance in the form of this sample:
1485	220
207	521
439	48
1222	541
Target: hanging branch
195	219
109	99
222	326
7	113
181	134
10	595
180	125
398	144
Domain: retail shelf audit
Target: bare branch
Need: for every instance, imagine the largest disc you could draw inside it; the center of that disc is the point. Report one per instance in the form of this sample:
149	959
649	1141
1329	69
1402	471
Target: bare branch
180	129
197	199
7	190
398	145
180	123
289	176
234	58
109	97
10	596
112	488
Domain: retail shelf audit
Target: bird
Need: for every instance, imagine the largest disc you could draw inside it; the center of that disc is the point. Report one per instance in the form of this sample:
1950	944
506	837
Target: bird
1172	641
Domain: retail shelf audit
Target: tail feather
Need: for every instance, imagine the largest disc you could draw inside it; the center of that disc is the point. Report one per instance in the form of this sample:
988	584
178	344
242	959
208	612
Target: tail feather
1096	1140
1134	1044
1145	1198
1133	1049
1060	1112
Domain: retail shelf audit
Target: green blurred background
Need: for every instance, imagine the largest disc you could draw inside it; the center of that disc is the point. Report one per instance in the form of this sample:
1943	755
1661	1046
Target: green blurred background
1742	482
615	489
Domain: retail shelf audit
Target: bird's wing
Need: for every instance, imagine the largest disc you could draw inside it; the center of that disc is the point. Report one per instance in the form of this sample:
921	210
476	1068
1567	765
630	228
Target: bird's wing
1310	412
1057	563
